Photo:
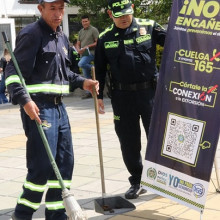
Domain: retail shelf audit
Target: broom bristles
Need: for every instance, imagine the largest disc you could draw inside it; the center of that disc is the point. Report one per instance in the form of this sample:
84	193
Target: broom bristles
73	209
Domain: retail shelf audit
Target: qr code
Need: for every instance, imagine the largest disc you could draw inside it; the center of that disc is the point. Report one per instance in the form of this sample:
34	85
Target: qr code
182	138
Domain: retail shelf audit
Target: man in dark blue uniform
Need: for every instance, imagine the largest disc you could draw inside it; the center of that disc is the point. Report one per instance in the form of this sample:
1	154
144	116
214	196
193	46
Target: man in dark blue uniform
42	55
129	47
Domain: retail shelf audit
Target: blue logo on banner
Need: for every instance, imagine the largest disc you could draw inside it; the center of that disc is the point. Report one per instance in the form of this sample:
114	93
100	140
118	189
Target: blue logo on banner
198	190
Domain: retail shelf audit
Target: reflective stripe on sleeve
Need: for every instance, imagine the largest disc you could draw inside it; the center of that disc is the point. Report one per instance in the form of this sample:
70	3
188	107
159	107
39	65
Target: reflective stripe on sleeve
48	88
12	79
39	88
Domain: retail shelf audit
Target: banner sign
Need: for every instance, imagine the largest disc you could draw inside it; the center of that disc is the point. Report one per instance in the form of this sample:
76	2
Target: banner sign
186	117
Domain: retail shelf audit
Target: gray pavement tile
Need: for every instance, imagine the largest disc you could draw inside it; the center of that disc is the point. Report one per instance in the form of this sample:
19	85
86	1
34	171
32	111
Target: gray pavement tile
79	181
7	204
115	163
112	152
110	185
86	185
94	171
10	188
11	173
92	160
85	150
122	175
11	162
13	152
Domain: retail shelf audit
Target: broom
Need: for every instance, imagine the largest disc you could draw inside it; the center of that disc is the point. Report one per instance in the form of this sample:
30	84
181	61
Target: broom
73	209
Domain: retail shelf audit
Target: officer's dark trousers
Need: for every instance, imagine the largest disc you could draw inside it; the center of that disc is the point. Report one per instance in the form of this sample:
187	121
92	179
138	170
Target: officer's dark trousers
40	175
128	108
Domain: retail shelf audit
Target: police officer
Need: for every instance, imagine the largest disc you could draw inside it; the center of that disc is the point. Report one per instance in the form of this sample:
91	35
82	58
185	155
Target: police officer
42	55
128	46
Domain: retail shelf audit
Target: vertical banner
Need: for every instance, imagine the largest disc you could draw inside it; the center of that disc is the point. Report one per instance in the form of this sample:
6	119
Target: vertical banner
186	117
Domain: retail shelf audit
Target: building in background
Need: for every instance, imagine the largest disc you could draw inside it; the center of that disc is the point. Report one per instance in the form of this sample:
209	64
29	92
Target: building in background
15	14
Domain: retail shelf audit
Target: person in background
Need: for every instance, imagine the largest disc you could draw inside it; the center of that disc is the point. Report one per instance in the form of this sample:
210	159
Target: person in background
129	48
74	58
87	39
3	62
42	55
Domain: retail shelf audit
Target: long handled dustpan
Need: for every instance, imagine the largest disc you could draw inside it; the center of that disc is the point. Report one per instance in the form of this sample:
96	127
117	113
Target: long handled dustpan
107	205
73	209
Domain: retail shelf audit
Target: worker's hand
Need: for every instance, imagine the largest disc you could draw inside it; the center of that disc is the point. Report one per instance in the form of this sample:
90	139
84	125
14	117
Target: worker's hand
101	107
89	84
32	111
81	50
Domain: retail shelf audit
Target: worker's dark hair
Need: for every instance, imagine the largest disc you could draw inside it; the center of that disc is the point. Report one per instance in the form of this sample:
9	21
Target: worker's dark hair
85	16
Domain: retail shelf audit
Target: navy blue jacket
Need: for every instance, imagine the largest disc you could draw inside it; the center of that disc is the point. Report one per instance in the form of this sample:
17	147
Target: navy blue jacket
42	56
130	52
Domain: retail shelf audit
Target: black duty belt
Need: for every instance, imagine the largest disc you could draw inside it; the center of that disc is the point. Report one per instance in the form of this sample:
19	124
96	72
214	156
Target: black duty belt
131	87
48	98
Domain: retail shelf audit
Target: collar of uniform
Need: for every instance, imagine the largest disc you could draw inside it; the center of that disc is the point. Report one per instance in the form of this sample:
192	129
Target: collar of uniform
49	29
132	28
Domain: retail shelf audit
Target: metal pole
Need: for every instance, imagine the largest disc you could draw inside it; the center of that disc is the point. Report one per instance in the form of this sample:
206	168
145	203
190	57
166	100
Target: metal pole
201	215
217	174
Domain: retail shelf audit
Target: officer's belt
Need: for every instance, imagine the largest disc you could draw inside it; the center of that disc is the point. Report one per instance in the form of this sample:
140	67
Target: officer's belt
131	87
48	98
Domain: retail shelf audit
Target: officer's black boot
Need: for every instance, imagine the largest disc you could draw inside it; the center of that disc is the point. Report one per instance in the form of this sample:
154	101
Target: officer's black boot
133	193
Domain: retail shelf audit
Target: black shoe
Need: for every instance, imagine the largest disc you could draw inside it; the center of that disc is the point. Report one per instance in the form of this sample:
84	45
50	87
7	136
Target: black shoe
87	96
132	192
14	217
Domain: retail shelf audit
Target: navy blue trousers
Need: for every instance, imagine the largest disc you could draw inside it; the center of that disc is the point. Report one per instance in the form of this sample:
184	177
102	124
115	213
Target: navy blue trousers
128	108
41	177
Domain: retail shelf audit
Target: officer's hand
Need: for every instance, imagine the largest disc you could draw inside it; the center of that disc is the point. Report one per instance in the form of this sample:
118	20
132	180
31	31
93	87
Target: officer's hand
89	84
32	111
101	107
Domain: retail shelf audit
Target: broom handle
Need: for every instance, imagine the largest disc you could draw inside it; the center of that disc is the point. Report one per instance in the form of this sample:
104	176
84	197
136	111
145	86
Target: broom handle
40	129
98	134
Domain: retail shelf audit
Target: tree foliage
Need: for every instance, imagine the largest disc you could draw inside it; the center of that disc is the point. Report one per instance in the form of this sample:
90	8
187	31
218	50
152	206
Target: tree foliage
158	10
96	9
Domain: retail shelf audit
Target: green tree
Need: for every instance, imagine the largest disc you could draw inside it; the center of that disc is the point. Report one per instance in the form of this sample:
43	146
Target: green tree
158	10
96	9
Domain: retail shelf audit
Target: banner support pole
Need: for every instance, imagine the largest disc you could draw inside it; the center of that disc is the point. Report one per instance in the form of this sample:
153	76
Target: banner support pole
217	175
201	214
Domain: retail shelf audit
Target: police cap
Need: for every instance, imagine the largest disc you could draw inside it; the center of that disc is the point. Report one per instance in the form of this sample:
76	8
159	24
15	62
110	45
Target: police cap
49	1
120	7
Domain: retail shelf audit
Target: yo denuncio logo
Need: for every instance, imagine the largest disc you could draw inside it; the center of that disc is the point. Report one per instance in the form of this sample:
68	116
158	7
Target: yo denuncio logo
198	190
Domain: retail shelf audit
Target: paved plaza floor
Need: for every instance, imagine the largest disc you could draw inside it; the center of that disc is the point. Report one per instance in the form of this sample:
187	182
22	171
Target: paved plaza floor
86	184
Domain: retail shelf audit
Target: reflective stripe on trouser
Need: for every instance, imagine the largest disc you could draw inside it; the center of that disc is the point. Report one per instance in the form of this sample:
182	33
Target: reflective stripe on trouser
53	186
40	172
